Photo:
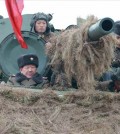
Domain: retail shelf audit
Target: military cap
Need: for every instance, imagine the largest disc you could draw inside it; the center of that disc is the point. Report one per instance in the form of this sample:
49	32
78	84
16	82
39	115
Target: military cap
41	16
38	16
28	59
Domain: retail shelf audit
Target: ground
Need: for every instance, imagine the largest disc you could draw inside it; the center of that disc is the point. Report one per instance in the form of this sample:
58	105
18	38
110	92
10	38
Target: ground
27	111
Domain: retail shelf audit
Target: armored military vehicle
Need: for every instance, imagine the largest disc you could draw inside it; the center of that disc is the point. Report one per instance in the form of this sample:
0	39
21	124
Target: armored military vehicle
10	49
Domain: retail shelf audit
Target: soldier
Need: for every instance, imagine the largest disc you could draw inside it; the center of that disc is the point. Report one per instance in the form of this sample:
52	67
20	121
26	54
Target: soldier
116	60
40	25
28	75
112	85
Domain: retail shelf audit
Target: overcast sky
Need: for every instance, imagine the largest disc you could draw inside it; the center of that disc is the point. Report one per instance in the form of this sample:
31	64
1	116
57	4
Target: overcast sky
66	11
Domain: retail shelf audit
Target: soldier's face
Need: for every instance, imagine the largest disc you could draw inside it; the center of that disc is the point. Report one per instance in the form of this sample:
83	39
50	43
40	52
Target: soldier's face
28	70
40	26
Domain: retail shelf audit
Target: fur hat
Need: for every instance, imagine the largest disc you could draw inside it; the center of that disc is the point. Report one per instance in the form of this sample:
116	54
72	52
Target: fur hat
28	59
41	16
117	28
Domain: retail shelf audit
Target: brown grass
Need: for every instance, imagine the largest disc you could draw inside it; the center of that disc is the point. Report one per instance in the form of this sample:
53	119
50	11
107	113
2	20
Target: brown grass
74	113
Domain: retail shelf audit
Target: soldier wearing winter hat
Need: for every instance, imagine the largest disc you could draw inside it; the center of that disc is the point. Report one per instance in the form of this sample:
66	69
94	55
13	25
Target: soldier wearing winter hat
40	25
28	75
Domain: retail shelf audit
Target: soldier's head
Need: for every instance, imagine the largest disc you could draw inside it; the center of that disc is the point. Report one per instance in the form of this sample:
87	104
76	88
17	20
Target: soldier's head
117	32
117	28
28	64
40	23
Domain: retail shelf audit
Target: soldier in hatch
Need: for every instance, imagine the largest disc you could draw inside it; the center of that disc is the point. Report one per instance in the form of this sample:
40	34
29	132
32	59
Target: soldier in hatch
40	25
28	75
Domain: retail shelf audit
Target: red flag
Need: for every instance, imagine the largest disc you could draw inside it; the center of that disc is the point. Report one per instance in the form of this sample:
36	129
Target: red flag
14	8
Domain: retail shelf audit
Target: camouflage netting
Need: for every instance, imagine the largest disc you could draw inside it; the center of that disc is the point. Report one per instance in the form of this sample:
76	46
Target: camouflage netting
27	111
76	56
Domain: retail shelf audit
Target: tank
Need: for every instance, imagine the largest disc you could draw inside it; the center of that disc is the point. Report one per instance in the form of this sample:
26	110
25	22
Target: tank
101	28
10	49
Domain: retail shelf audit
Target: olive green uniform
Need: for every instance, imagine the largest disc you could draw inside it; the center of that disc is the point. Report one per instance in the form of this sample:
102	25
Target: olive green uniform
29	83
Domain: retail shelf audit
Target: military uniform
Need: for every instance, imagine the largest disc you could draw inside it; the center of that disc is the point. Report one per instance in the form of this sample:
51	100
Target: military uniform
37	81
48	36
20	79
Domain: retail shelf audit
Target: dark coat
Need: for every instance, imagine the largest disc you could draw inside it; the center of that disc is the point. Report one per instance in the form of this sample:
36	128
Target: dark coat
21	80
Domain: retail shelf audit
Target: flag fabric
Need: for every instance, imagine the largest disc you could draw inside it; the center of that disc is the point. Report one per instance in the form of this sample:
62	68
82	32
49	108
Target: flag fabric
14	9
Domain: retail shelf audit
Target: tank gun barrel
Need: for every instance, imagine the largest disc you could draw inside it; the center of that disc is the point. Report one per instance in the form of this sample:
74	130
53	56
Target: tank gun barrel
100	28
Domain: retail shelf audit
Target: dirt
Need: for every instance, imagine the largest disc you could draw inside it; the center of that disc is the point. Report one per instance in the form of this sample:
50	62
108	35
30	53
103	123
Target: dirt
28	111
